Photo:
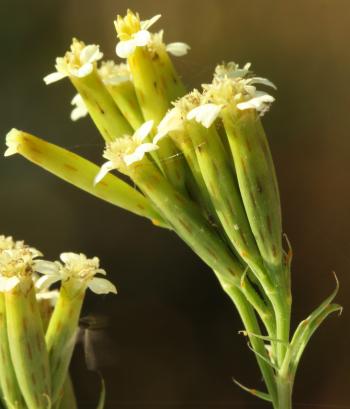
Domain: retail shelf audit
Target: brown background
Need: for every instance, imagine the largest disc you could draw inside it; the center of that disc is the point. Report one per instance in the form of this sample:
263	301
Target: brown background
173	332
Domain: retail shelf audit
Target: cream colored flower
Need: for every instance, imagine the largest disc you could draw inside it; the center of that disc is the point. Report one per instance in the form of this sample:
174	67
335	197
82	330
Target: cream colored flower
77	269
16	263
126	150
78	62
132	33
235	85
114	74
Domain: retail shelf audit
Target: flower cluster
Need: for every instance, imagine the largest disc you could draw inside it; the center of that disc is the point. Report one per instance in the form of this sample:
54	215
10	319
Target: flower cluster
78	62
76	268
16	262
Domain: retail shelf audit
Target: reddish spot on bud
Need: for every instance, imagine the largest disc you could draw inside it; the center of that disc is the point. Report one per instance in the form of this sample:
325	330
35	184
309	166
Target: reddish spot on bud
70	167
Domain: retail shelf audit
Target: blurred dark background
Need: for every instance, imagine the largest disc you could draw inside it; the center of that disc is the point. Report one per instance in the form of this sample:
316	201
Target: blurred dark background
172	330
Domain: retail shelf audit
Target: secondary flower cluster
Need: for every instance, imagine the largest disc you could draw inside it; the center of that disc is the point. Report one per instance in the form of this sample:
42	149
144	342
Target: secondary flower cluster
39	325
18	262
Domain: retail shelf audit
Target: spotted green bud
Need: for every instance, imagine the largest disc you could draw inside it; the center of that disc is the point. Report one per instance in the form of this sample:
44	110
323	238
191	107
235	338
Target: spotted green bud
77	273
24	326
118	81
153	99
79	172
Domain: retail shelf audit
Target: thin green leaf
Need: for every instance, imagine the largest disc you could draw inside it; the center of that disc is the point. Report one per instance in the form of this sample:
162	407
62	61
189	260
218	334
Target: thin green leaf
259	394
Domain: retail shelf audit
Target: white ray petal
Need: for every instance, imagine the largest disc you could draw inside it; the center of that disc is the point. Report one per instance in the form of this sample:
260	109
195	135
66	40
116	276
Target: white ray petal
105	168
178	49
53	77
143	131
102	286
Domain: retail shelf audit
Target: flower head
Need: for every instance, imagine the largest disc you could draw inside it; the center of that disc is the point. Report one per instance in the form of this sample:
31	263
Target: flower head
113	74
78	62
76	269
132	32
126	150
80	110
16	263
237	86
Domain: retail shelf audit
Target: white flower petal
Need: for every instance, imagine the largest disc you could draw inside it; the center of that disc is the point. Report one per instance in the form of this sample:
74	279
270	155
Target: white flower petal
172	121
178	49
141	133
205	114
142	38
80	109
46	281
90	53
102	286
139	153
146	24
105	168
261	103
46	267
83	71
263	81
8	283
53	77
125	48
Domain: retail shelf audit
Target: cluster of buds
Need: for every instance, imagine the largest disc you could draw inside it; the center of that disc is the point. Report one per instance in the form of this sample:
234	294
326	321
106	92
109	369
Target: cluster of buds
199	164
38	325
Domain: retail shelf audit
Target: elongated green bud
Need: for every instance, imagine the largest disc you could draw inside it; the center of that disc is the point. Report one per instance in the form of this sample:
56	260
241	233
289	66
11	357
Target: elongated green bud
168	77
60	338
117	79
188	222
103	110
24	327
77	274
9	386
235	98
257	182
27	346
79	65
150	92
79	172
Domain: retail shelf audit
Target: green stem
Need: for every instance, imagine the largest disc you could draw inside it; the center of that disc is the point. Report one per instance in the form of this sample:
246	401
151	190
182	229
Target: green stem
284	391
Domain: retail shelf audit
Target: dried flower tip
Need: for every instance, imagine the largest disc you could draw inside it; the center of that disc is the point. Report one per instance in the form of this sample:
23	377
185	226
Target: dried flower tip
132	33
126	150
76	269
114	74
80	110
78	62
